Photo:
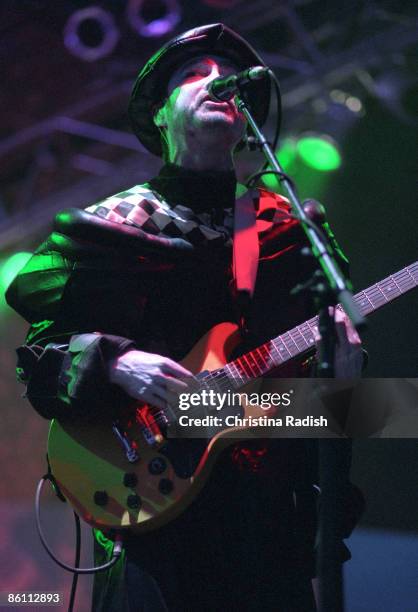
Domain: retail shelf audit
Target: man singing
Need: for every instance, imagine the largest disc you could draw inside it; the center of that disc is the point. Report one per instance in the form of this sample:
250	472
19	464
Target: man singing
121	292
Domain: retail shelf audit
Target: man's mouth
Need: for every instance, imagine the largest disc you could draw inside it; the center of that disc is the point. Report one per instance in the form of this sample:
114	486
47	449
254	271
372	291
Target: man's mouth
217	104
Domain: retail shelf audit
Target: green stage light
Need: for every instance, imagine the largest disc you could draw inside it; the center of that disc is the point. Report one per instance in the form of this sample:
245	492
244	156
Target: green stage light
319	152
10	268
286	154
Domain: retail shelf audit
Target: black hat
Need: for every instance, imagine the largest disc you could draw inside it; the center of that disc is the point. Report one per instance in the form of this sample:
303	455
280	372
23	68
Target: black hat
151	84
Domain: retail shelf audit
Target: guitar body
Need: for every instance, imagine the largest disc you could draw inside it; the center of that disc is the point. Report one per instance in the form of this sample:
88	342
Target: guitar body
107	491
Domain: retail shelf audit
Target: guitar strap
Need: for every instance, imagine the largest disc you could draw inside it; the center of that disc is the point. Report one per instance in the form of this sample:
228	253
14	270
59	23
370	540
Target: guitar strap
245	251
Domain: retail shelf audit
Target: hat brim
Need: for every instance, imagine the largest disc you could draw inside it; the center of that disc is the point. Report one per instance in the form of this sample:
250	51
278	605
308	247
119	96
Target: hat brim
150	87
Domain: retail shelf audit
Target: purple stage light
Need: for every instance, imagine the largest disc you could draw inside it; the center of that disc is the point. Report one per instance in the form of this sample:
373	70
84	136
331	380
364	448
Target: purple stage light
154	28
101	19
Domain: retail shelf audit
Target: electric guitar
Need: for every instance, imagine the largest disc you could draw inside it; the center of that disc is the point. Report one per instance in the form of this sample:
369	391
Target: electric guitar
130	474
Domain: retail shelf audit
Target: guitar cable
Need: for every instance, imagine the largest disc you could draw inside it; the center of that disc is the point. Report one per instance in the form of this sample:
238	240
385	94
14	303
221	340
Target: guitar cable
76	570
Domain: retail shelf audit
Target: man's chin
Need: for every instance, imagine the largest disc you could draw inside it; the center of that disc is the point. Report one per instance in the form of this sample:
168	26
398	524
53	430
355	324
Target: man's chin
215	124
218	118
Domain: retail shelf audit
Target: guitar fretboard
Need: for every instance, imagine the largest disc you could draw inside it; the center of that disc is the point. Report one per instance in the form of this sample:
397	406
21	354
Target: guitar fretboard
301	339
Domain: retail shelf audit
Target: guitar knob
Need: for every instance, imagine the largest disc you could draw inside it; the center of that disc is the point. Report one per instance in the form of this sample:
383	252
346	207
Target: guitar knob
101	498
133	501
130	480
157	466
165	486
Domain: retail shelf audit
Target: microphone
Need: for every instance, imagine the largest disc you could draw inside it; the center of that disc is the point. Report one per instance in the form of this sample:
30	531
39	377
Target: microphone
223	88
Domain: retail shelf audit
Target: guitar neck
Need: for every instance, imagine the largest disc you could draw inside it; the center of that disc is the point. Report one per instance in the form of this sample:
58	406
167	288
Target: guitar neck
301	339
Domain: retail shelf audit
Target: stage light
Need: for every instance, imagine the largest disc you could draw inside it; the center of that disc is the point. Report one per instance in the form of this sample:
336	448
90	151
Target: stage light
319	152
354	104
153	18
286	154
9	269
91	33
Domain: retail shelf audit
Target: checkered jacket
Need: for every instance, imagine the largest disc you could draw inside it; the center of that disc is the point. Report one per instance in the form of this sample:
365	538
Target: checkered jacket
145	209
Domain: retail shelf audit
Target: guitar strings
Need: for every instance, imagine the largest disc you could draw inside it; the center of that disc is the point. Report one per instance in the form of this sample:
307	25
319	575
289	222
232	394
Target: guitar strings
400	282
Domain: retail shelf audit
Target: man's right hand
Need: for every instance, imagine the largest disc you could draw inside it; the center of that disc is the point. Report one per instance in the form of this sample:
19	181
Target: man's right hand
149	378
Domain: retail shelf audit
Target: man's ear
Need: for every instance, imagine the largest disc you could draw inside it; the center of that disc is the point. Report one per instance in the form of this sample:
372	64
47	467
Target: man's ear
160	117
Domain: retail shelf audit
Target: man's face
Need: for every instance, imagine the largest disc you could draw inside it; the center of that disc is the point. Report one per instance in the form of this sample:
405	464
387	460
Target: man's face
189	113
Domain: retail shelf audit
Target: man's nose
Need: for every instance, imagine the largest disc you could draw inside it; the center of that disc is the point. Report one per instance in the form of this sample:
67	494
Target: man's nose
214	73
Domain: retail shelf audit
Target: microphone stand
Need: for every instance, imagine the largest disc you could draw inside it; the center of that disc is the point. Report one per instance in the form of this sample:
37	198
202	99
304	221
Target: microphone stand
331	289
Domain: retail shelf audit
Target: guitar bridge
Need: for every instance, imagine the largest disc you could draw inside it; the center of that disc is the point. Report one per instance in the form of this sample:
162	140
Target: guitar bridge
149	426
